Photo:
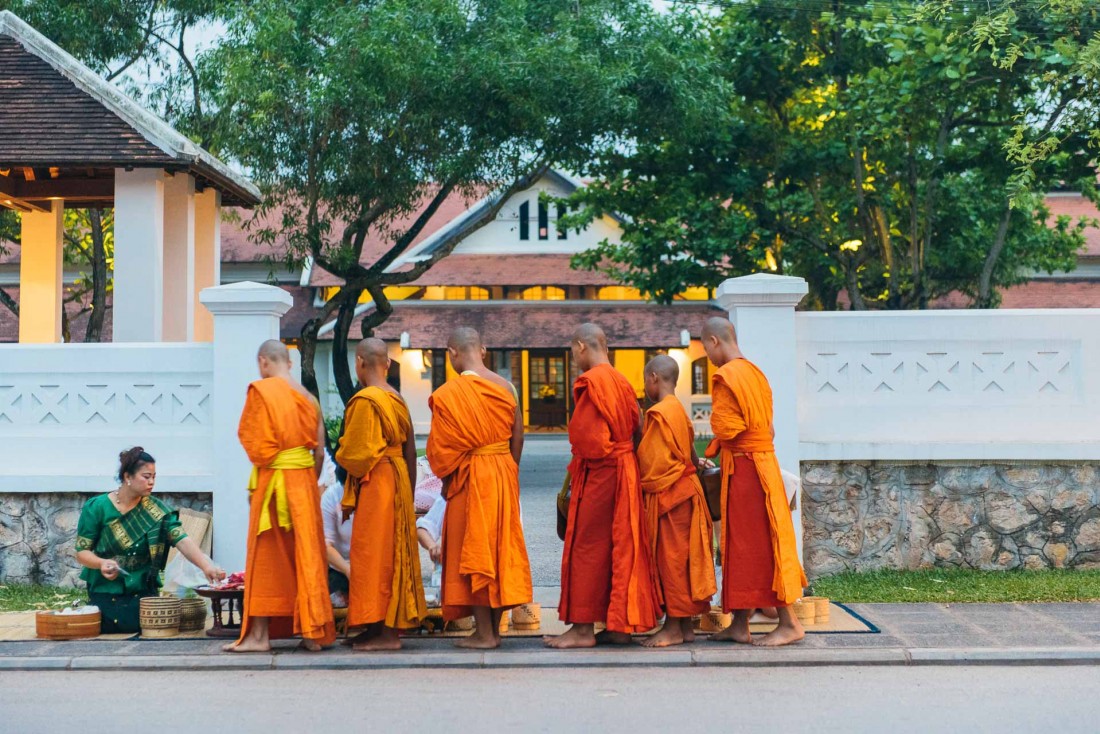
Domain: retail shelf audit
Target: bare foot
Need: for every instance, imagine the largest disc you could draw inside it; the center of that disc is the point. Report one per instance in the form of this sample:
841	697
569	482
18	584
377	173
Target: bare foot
738	631
247	645
309	646
477	641
362	638
607	637
572	638
781	635
670	634
769	612
687	630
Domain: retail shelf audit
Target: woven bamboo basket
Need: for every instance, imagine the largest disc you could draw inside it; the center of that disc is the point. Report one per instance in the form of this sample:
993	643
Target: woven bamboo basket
821	608
460	625
192	615
504	620
527	617
54	626
805	611
715	620
159	616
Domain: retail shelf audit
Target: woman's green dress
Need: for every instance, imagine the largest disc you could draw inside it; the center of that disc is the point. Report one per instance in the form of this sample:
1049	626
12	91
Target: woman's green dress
138	541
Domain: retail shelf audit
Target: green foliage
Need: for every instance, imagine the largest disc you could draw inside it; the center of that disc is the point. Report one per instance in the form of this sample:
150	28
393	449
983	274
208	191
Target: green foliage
858	149
957	585
355	116
32	598
1056	42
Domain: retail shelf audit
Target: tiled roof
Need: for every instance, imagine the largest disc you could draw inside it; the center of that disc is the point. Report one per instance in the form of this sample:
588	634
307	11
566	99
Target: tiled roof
544	324
489	270
58	113
48	121
302	311
1077	206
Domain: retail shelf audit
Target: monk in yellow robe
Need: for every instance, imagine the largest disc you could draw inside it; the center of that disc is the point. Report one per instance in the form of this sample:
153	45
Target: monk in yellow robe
760	565
286	573
606	566
378	451
474	446
677	519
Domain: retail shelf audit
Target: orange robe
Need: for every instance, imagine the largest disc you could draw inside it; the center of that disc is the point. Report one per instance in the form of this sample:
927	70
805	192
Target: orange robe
606	566
385	583
760	565
677	520
286	572
484	554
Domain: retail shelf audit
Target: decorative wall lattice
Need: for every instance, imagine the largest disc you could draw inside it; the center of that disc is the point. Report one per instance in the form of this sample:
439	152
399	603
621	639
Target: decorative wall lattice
987	374
108	403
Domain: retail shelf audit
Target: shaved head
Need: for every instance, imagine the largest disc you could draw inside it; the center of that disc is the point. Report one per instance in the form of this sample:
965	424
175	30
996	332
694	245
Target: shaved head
274	350
664	367
373	352
465	339
591	336
721	329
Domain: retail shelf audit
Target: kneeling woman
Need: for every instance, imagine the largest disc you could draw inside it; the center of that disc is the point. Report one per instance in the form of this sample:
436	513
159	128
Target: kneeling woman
122	542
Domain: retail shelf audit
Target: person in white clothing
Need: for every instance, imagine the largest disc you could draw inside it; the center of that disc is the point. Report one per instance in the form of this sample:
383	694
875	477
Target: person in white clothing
337	533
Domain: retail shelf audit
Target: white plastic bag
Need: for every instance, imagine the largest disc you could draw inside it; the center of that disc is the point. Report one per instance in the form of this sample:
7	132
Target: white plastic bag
181	574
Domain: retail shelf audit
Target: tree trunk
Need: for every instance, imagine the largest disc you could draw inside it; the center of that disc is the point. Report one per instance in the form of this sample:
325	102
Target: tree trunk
307	351
851	275
94	331
8	302
985	280
341	368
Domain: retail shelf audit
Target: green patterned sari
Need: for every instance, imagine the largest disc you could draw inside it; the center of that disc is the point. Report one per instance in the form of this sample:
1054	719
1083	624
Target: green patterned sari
138	541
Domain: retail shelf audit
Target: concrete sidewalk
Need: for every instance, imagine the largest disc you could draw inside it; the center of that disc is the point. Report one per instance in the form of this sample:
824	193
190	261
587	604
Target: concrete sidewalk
910	634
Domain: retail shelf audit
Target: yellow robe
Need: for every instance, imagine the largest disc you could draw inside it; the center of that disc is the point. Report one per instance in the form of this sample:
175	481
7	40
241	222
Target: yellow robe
385	584
677	520
286	572
760	565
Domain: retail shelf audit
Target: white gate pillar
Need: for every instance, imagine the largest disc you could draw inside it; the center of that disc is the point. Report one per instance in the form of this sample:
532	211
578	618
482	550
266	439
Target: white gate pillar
245	315
761	307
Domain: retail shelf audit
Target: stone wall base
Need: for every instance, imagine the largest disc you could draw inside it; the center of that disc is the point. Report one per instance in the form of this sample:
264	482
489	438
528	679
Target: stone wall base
861	515
38	534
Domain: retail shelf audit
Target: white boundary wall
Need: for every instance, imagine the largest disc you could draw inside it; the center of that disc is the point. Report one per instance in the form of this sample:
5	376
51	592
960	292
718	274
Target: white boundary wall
67	410
943	385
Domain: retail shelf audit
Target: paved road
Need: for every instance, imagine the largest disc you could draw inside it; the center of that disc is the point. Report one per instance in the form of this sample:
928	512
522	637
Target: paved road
541	472
818	700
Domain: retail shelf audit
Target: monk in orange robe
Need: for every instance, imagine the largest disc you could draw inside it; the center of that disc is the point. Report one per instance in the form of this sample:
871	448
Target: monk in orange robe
378	451
474	446
676	515
760	565
606	566
286	573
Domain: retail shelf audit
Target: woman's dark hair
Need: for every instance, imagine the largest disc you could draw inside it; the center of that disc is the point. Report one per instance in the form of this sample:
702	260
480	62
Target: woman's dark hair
130	462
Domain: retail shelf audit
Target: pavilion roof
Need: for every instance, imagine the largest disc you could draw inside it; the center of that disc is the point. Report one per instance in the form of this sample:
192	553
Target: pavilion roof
66	129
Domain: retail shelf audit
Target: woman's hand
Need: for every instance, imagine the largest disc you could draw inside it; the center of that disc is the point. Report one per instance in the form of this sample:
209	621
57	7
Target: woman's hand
705	463
213	573
436	553
109	569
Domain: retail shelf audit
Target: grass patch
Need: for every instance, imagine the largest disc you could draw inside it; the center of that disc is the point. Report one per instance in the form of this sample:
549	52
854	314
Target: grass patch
28	598
701	446
960	585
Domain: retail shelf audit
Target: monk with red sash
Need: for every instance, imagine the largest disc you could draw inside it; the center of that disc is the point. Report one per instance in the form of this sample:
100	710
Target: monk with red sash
607	567
760	565
286	572
385	592
474	446
676	516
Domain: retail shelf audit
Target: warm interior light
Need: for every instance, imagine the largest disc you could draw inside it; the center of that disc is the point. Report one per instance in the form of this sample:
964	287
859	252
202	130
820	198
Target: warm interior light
414	358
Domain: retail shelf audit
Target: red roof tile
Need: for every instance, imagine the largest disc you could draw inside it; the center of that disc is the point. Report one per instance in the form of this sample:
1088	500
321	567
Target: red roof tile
544	324
489	270
1077	206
